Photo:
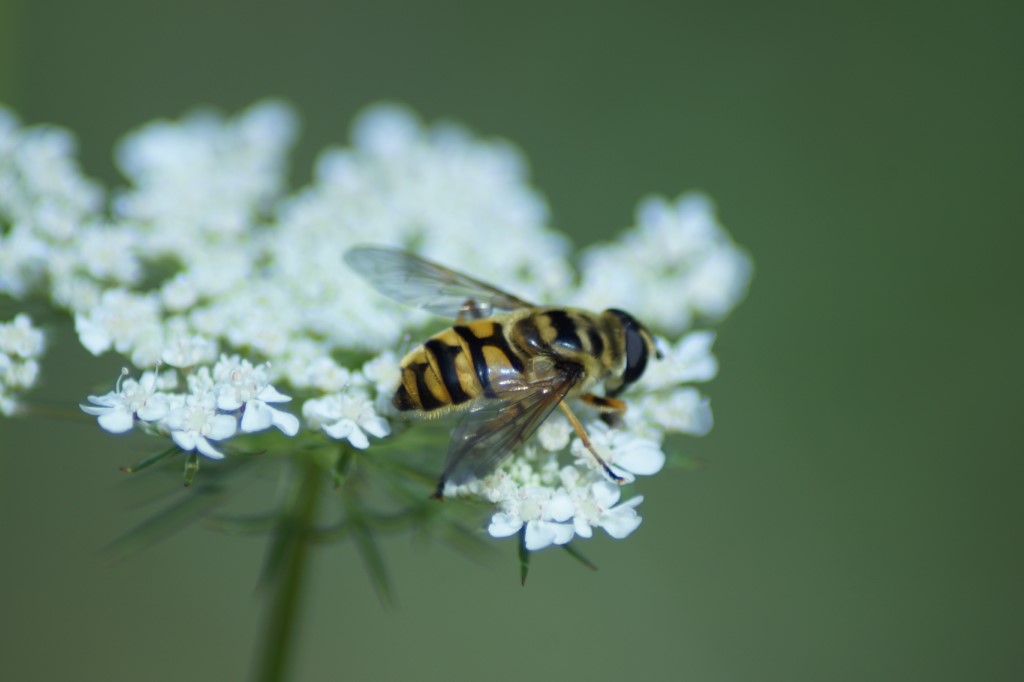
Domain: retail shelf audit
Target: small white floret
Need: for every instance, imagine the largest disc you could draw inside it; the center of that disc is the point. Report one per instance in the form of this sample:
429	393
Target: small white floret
19	338
240	385
194	424
130	400
346	416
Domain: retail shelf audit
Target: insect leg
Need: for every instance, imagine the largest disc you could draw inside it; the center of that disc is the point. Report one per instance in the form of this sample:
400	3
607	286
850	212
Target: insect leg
611	409
602	404
581	432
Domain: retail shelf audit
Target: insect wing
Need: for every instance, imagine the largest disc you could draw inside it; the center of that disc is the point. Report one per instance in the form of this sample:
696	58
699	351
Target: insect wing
493	429
414	281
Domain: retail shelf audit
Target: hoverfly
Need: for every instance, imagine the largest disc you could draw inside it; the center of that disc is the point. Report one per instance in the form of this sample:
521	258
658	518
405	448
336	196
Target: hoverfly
505	364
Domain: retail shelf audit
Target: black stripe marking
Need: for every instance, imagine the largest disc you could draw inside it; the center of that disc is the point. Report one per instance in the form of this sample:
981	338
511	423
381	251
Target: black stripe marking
476	351
445	356
428	401
497	339
565	330
402	400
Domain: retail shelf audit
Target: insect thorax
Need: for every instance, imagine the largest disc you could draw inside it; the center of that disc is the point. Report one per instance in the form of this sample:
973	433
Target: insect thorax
572	335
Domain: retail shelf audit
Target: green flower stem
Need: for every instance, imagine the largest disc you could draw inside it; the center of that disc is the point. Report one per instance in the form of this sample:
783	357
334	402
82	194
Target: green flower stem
296	525
524	557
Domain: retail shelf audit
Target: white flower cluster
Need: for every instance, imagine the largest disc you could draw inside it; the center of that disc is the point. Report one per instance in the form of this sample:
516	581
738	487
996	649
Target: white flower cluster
552	504
46	206
204	259
21	346
233	397
677	264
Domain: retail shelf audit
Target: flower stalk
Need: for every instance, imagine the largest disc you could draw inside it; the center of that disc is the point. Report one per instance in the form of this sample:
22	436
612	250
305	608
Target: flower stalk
285	574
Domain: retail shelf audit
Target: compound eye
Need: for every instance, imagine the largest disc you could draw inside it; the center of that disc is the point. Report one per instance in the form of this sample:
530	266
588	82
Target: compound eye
636	355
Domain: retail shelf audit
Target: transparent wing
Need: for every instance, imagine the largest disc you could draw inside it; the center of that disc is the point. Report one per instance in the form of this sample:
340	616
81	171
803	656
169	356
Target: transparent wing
492	429
412	280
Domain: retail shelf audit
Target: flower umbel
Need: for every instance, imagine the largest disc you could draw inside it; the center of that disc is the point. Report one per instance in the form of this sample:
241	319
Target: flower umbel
228	295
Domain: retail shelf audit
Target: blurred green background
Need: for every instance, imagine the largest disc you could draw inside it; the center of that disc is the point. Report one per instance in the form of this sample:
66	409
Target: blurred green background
859	515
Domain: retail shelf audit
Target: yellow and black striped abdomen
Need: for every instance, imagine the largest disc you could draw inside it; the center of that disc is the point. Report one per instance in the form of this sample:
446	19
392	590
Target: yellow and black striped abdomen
455	366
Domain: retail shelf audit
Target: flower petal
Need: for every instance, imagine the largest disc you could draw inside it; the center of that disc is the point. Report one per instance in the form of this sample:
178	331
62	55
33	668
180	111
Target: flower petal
155	408
641	456
108	400
378	426
696	363
503	525
257	416
227	399
358	439
287	423
606	494
222	426
116	421
560	507
204	448
563	532
269	394
620	522
539	534
186	440
339	429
